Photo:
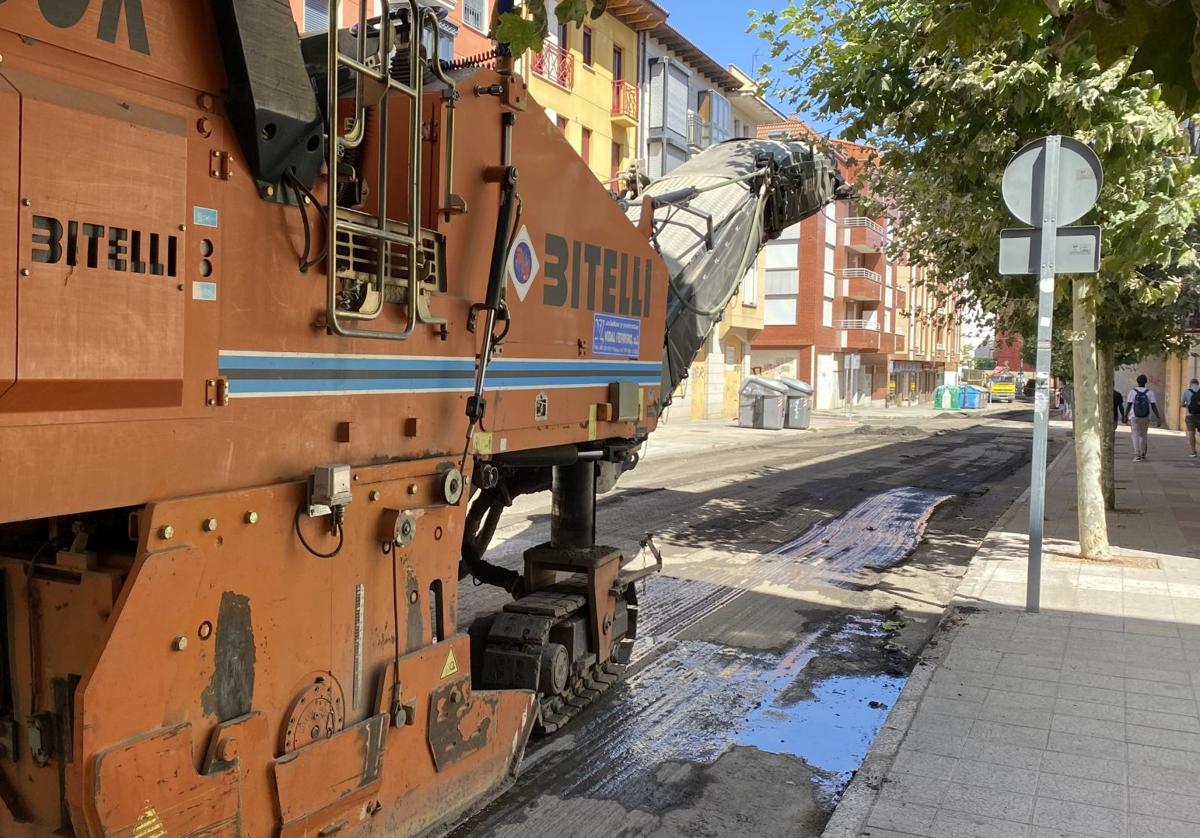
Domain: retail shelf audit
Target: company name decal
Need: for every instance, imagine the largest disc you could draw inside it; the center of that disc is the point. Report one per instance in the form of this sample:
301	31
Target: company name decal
588	276
81	244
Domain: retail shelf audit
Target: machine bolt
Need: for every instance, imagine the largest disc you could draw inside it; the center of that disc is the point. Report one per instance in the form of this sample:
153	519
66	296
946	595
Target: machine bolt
183	228
179	643
26	272
375	495
166	532
412	488
25	202
251	517
227	750
270	190
204	126
210	525
412	597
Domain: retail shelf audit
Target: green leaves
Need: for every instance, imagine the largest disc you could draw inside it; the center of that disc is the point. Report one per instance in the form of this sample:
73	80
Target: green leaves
528	30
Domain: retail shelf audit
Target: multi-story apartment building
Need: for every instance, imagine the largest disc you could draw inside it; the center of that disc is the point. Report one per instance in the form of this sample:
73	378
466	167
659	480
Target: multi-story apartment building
841	315
586	77
686	102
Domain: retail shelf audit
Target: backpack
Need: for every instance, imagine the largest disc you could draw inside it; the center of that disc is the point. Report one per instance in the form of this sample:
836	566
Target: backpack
1193	406
1141	404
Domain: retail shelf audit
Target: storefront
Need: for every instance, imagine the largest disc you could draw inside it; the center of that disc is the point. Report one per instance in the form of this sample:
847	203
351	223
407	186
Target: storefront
913	382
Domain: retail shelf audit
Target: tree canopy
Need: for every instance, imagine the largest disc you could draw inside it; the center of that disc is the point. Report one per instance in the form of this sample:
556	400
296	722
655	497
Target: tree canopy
1162	36
945	124
527	27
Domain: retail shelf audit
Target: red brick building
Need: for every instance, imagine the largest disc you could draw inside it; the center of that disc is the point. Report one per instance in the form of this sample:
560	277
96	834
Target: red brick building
842	316
1008	353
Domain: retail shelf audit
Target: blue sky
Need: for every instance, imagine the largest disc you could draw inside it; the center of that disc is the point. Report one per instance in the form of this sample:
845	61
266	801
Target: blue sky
719	28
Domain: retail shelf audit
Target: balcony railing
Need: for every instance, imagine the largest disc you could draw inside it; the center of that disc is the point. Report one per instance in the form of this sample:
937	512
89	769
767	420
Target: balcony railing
862	335
859	325
625	102
555	64
862	284
701	134
863	235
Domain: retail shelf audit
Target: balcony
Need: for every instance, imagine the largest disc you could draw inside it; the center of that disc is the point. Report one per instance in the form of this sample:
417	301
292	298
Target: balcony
861	335
862	284
625	103
862	235
701	134
554	64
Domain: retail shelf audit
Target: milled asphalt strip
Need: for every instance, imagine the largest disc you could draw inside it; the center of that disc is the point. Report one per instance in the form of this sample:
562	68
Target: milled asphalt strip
850	817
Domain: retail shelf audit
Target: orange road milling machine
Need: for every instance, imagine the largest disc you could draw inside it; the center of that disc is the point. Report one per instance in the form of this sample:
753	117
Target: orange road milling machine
285	324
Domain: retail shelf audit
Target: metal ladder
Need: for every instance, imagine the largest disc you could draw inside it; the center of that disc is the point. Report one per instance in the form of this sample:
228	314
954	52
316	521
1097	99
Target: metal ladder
345	226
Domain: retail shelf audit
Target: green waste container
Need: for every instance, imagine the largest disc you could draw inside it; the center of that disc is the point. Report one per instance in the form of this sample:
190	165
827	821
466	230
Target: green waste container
947	397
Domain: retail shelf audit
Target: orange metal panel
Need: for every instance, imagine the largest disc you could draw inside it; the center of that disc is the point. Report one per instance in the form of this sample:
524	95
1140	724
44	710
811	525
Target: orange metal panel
10	133
101	320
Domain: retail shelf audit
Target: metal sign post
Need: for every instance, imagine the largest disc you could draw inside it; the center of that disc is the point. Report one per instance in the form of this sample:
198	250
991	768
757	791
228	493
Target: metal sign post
1040	182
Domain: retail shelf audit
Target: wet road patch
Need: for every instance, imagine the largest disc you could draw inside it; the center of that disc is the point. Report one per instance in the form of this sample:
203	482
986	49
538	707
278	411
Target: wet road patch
877	534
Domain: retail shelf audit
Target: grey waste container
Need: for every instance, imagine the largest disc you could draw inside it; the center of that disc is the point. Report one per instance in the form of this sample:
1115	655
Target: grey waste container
762	404
800	399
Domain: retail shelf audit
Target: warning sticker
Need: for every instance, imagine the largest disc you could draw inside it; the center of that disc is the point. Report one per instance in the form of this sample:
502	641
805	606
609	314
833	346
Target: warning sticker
523	264
451	667
541	407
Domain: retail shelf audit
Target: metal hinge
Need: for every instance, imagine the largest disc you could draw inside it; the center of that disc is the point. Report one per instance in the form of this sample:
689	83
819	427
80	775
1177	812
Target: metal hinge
220	165
216	392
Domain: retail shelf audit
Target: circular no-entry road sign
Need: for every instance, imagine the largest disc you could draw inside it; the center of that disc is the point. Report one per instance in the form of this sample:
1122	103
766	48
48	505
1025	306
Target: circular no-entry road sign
1080	177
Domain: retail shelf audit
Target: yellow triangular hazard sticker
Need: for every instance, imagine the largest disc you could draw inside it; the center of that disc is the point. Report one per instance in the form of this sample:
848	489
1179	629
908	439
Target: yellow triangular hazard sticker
451	667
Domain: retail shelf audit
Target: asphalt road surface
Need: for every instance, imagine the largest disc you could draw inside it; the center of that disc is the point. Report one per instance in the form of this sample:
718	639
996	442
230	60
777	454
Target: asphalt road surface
802	573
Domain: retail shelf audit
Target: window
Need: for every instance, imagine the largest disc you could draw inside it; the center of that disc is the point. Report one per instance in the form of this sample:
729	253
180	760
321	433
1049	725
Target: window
717	114
474	14
669	97
750	287
316	15
618	64
617	154
827	313
585	146
782	261
562	125
564	36
587	46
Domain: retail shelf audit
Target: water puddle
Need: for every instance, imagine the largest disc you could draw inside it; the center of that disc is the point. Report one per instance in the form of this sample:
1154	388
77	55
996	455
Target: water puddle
832	725
831	732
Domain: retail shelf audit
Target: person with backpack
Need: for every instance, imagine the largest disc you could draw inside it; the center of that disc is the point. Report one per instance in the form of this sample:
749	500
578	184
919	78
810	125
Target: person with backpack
1140	404
1191	403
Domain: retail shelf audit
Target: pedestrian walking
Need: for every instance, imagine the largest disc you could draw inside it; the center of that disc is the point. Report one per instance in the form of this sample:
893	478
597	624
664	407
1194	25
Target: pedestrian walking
1118	408
1139	404
1191	404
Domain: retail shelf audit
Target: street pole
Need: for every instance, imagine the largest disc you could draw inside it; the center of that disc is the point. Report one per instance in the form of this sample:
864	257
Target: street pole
1041	403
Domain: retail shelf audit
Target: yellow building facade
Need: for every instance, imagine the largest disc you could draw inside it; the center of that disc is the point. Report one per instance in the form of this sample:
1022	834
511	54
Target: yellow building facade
586	78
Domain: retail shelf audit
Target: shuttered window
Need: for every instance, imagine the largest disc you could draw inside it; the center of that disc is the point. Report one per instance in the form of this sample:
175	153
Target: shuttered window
316	15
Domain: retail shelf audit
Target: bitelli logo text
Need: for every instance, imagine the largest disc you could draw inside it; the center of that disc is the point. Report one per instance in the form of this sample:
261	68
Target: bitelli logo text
80	244
67	13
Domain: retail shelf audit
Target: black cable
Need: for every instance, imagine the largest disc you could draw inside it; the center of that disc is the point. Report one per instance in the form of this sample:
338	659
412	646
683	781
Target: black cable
304	263
307	263
341	533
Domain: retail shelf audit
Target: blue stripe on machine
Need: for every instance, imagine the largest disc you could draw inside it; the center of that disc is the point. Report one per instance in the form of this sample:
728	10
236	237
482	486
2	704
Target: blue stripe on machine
280	374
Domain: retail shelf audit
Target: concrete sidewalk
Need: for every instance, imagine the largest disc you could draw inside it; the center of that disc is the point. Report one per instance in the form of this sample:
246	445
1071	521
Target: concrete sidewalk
1080	721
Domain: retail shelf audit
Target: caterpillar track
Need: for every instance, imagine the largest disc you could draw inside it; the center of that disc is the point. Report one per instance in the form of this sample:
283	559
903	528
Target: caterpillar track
541	643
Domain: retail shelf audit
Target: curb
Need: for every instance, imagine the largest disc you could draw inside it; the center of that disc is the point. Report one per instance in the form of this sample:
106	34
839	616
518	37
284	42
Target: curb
850	817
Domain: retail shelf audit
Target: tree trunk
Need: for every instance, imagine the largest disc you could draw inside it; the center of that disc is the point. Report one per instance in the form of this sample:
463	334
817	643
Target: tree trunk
1093	525
1106	362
